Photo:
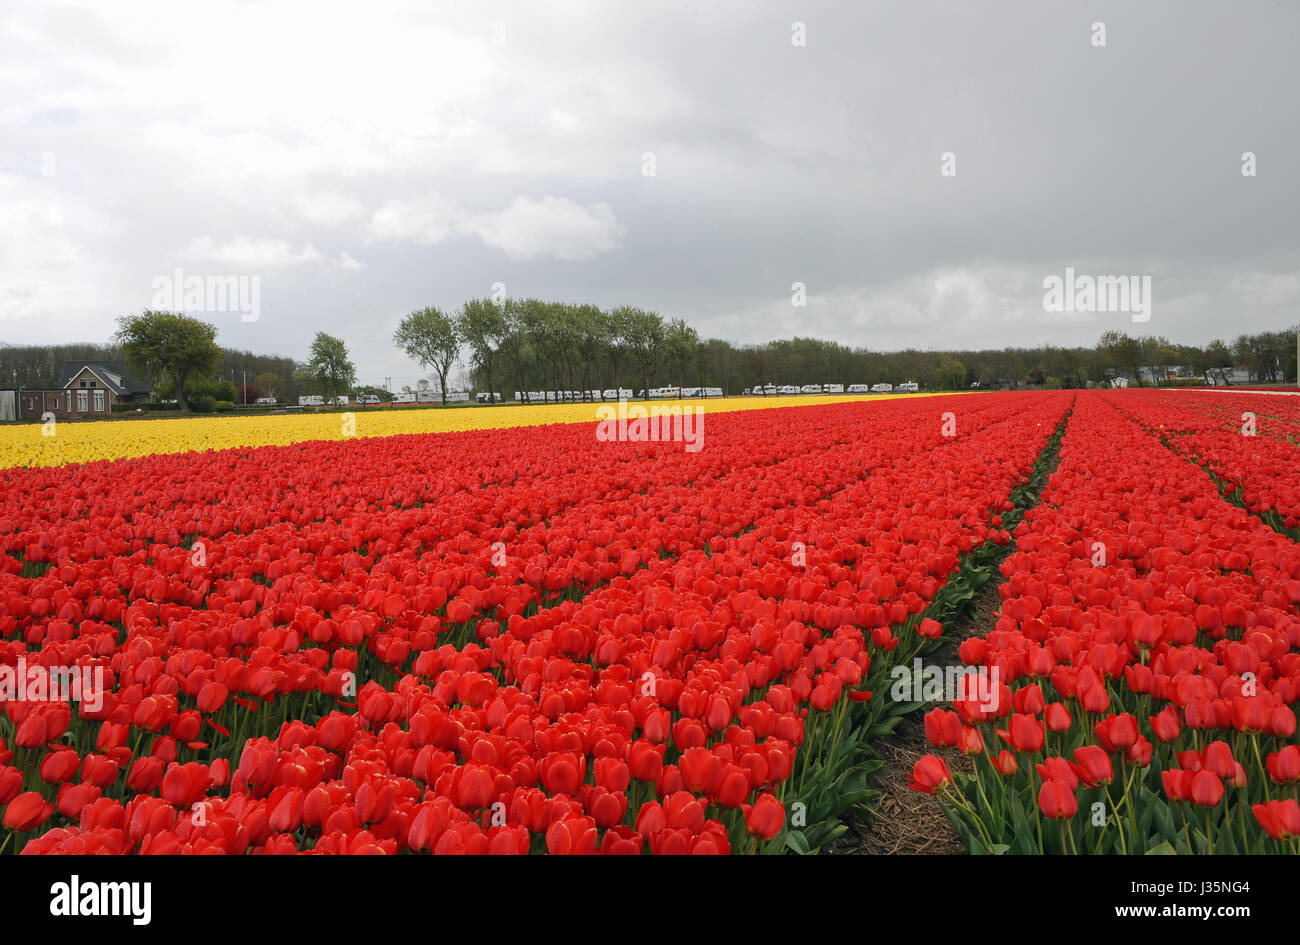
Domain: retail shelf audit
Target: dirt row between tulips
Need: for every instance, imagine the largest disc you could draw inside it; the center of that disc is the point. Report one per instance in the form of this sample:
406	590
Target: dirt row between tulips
904	821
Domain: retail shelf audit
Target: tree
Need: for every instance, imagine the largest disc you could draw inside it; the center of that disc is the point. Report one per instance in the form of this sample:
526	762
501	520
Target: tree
429	337
1162	356
545	328
1124	352
950	375
169	345
715	358
482	325
269	384
591	329
644	334
616	348
329	366
514	345
681	344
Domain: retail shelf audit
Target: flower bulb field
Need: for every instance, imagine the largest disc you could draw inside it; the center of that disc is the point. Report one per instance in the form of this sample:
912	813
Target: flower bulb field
497	630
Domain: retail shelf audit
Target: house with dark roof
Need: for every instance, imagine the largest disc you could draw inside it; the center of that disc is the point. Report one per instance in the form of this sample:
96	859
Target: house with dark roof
87	390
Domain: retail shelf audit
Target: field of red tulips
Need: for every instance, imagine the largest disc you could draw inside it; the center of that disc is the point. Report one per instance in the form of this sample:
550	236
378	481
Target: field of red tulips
533	639
1145	648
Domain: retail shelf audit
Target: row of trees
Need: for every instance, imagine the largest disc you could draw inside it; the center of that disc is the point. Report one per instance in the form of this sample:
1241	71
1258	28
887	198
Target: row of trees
529	344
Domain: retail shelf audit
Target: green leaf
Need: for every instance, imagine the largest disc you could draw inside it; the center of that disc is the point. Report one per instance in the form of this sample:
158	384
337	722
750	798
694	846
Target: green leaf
797	842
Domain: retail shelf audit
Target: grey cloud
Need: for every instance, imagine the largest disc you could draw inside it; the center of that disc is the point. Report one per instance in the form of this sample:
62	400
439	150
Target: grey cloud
774	164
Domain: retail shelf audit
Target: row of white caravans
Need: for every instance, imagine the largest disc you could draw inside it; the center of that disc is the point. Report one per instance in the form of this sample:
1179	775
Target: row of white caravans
622	393
772	389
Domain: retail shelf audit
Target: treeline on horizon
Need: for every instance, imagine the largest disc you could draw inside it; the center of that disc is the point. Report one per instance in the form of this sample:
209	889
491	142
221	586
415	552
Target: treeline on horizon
534	345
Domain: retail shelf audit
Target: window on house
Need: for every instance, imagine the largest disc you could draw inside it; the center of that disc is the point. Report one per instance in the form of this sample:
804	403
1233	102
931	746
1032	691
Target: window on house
81	401
99	401
83	383
92	383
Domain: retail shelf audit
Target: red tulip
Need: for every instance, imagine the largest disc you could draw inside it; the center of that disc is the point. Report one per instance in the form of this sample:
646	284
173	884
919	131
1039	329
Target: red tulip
27	811
1093	765
1284	765
766	818
1280	819
572	834
1024	733
1057	801
929	774
1006	763
1206	789
1057	717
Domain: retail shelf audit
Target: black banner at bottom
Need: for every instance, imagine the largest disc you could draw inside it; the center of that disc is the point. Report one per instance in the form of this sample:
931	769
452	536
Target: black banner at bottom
257	895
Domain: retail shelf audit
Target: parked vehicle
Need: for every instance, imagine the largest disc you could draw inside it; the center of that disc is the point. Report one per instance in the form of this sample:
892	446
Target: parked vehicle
882	388
811	389
858	388
909	387
832	388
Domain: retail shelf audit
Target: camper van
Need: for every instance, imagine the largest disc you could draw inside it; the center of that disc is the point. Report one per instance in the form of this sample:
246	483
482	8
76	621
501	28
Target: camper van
311	400
909	387
858	388
811	389
832	388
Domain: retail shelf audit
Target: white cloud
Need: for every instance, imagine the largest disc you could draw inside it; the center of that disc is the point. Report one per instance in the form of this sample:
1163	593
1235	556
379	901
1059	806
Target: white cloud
552	226
526	229
244	252
51	261
328	209
429	219
563	120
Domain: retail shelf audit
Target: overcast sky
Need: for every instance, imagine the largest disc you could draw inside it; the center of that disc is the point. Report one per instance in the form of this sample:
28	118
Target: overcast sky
403	155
